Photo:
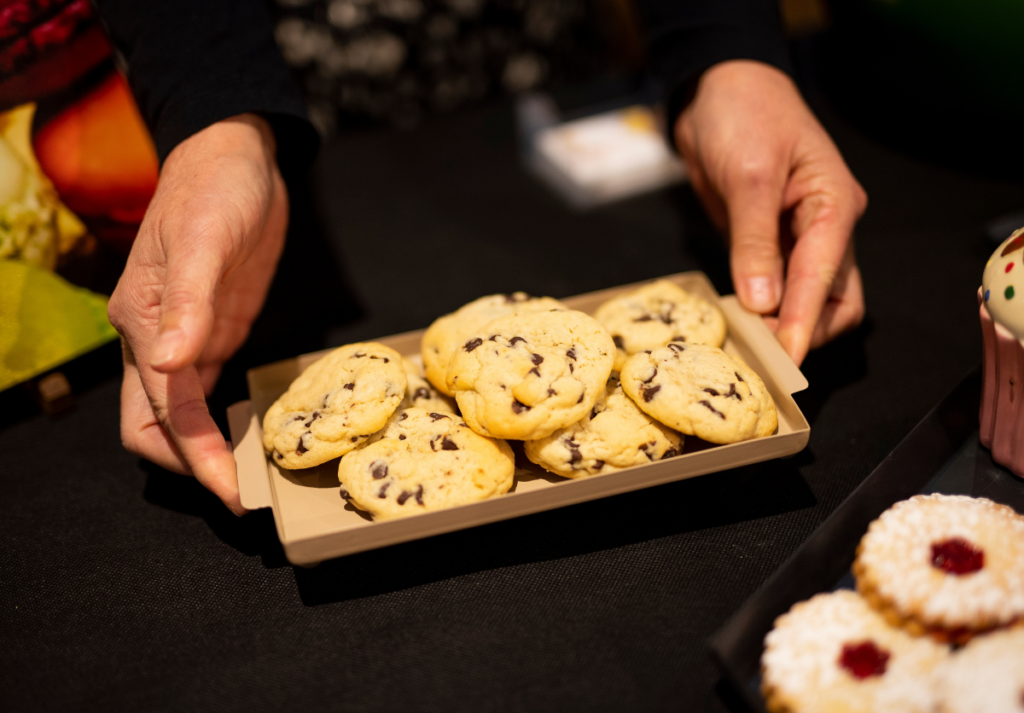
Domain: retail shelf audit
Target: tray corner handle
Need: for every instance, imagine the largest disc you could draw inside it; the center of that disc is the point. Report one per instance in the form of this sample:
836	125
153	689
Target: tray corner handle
250	463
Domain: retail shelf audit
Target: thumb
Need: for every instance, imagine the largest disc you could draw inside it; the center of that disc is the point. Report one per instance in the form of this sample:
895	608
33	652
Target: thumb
186	304
754	204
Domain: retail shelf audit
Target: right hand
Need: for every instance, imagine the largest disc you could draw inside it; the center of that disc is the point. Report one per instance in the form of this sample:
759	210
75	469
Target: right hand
195	280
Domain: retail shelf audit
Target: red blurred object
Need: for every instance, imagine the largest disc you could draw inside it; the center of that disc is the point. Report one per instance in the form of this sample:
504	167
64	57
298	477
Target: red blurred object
45	45
102	161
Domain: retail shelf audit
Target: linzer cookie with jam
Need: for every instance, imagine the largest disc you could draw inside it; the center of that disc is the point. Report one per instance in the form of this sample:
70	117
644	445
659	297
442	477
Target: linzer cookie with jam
949	566
424	461
835	653
527	375
700	391
657	314
336	403
616	434
451	331
986	676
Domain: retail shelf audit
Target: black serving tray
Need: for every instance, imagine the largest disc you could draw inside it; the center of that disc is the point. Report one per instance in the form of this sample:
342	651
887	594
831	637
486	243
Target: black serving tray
941	455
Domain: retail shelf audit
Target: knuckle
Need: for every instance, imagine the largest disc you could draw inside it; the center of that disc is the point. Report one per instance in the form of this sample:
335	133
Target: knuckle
756	171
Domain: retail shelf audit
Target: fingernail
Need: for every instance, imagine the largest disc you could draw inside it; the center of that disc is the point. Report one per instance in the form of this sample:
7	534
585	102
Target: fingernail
168	344
761	295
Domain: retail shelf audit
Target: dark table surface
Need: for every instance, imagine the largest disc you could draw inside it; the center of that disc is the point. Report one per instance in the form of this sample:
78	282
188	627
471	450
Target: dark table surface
123	586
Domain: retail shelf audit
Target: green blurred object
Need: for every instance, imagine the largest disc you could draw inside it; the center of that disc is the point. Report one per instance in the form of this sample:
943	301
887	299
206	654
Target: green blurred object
45	321
979	37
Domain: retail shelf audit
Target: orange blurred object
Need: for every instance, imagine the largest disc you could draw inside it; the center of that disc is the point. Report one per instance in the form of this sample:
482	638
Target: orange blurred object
102	161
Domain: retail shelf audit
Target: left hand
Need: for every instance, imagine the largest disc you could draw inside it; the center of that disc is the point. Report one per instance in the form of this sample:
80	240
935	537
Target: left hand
771	178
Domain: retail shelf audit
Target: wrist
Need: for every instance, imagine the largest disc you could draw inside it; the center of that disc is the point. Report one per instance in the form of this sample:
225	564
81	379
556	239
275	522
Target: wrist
243	135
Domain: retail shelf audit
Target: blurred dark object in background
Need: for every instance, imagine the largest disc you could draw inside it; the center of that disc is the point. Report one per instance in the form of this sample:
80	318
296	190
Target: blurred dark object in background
393	62
942	79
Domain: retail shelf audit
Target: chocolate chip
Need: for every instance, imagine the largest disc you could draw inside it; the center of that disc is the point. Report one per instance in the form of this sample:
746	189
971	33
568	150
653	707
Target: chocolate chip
519	406
404	416
732	392
571	353
301	448
645	318
358	356
666	318
432	442
647	351
513	340
383	489
378	469
535	371
670	453
448	444
738	376
277	454
571	369
650	378
315	416
713	392
403	496
419	495
372	356
598	464
401	436
679	338
326	397
650	391
298	417
676	347
436	416
618	341
351	386
421	393
552	392
345	495
492	338
355	438
537	359
580	399
574	450
386	360
473	344
713	409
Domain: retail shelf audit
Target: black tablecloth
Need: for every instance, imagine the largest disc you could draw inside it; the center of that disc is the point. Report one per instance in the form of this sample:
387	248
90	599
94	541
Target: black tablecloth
125	587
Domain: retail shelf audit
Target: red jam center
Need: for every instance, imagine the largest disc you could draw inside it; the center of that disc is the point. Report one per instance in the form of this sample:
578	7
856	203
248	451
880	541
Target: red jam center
957	556
864	659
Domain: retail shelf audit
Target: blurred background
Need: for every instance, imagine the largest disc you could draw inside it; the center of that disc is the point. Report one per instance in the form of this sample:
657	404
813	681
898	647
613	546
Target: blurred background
430	170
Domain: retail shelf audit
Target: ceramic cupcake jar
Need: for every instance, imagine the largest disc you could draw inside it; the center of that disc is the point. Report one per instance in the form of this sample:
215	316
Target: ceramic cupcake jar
1001	299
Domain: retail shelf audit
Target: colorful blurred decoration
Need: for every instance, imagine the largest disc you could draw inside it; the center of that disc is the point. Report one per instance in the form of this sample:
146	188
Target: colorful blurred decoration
77	171
45	321
102	161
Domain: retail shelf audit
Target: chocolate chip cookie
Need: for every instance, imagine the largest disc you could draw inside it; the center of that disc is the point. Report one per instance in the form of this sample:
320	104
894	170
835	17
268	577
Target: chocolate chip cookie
527	375
447	333
420	393
657	314
424	461
334	405
700	391
616	434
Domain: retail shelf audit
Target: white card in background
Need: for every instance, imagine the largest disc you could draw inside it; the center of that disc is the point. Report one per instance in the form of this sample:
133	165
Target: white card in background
605	157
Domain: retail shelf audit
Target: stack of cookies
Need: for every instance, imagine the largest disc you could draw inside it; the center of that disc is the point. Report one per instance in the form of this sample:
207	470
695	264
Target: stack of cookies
932	571
586	395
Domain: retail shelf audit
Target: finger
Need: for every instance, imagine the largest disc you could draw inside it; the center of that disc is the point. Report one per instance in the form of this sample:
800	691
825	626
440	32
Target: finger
141	432
822	226
754	202
187	299
208	375
844	309
180	407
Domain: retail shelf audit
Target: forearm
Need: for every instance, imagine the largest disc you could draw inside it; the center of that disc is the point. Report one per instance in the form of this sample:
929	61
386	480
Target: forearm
192	63
686	37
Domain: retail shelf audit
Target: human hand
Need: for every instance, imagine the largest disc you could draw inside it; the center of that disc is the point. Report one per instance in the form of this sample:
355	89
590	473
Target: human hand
773	181
195	280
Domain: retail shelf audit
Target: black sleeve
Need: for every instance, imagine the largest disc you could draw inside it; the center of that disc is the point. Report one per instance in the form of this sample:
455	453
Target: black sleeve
686	37
192	63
